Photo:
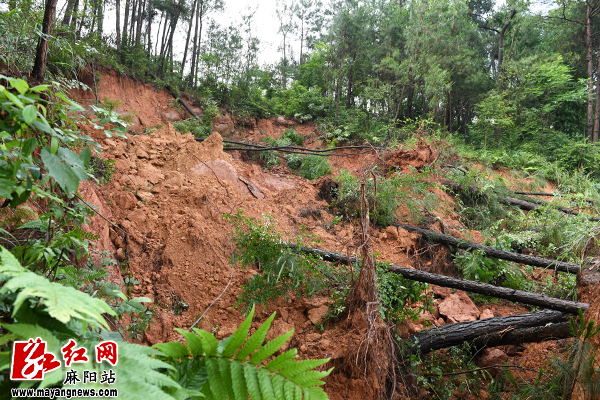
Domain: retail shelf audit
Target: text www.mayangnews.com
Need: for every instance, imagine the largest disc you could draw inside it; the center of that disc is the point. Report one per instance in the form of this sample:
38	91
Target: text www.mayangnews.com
66	393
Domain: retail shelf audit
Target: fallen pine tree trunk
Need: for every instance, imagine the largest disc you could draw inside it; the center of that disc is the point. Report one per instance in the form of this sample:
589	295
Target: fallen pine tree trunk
492	252
520	296
536	334
496	330
522	204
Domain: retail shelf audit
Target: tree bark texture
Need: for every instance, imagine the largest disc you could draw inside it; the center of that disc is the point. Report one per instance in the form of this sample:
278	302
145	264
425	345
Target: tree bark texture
590	72
536	334
492	252
533	299
68	13
118	12
41	53
491	328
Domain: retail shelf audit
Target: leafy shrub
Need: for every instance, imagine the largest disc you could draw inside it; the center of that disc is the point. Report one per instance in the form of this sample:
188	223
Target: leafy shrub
282	270
293	136
396	294
294	161
314	167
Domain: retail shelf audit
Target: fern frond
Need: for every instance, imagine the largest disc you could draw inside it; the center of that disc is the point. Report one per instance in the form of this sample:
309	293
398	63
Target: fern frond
264	381
62	303
282	360
193	341
314	393
215	380
289	390
173	349
239	336
278	383
251	375
270	348
225	369
310	378
28	331
209	344
35	224
256	340
301	366
238	382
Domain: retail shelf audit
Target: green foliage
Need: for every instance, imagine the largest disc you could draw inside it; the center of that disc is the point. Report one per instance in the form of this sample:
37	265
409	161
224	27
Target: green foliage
235	367
202	127
431	372
313	167
397	294
573	373
101	169
282	271
410	190
293	136
24	131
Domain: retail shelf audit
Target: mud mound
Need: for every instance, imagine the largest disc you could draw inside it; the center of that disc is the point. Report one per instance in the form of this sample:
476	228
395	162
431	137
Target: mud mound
404	159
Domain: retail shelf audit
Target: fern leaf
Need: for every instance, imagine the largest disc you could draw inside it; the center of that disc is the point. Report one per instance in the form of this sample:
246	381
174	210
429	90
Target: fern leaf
252	381
225	369
282	360
297	392
256	340
214	379
193	342
289	389
238	381
264	380
174	350
27	331
239	336
35	224
270	348
62	303
315	393
210	344
278	382
298	367
310	378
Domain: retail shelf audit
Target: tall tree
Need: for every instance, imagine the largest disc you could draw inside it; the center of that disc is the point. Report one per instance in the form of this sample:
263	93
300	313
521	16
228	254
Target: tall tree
41	53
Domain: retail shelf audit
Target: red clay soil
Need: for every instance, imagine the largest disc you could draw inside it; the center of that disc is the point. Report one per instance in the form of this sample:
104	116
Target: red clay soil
169	194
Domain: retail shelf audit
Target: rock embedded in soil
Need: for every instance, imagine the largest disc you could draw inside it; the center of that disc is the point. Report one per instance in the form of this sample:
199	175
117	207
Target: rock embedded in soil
486	314
458	307
316	315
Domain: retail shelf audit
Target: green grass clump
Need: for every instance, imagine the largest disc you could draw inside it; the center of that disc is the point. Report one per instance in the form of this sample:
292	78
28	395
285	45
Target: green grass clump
314	167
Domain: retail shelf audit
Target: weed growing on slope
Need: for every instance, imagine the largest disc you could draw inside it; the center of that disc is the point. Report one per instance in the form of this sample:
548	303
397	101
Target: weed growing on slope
409	190
314	167
397	294
283	272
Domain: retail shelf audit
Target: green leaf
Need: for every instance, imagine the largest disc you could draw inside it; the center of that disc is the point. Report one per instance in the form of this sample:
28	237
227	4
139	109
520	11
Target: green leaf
282	360
29	114
238	381
256	340
264	380
13	98
252	381
66	168
209	344
53	146
20	85
302	366
85	155
174	350
76	107
193	342
239	336
270	348
29	146
214	379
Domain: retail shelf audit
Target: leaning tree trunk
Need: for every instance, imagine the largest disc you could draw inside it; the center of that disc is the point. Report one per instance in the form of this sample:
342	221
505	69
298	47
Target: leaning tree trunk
593	136
41	53
118	15
69	11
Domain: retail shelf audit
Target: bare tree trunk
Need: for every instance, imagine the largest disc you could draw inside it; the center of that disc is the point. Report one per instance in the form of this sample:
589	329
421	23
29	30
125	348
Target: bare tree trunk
67	18
118	14
126	22
101	17
149	32
74	15
197	44
41	53
85	4
590	70
133	20
597	113
140	21
189	33
162	17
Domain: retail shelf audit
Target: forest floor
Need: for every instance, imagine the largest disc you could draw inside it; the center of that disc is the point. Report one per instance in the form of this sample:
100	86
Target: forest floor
170	192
